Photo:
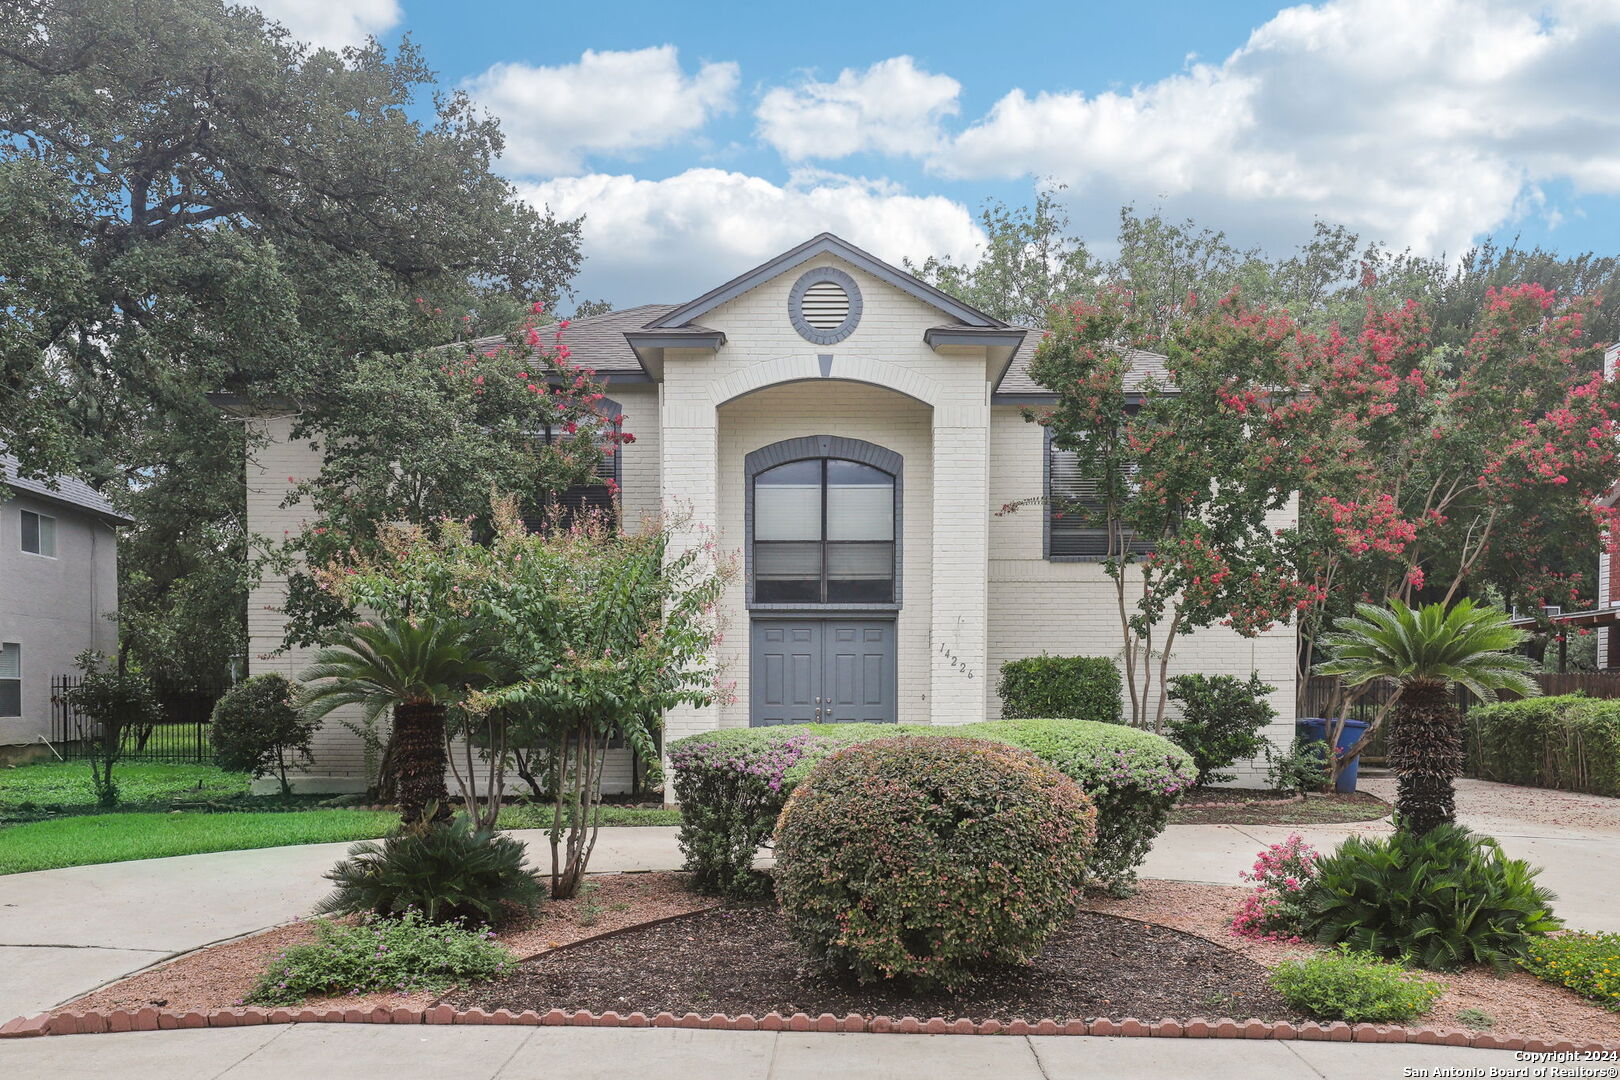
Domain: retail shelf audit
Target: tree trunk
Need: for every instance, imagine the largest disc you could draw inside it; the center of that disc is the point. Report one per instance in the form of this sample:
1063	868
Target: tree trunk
419	762
1425	750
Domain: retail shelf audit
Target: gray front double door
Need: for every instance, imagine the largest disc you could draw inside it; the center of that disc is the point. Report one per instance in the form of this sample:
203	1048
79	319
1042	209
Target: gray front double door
805	671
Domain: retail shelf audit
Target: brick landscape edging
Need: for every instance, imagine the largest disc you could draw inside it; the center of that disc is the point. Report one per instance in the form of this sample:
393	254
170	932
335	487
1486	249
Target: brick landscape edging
152	1019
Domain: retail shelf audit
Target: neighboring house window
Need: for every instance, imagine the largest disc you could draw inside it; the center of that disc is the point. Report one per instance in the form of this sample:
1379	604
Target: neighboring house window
1074	507
824	533
587	497
10	679
39	533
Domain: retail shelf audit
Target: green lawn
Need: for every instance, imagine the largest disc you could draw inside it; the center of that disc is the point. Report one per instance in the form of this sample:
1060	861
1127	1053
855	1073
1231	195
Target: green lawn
66	785
82	839
102	838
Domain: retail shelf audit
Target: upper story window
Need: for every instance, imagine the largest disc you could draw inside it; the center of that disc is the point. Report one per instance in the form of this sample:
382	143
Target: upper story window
39	533
824	533
10	678
1075	528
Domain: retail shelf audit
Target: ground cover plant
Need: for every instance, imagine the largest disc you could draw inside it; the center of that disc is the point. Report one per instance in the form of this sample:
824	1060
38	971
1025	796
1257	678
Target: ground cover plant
83	840
1340	984
1441	899
409	953
1071	687
450	871
927	860
1586	963
732	784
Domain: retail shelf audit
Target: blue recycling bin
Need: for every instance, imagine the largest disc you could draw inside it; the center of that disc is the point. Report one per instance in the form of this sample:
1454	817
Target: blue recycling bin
1315	729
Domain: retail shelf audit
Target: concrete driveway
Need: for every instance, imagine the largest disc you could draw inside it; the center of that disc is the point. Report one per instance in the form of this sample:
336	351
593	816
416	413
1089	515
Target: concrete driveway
64	932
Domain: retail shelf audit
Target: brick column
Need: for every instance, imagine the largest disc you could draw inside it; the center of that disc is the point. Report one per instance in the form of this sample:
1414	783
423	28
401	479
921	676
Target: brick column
960	547
690	482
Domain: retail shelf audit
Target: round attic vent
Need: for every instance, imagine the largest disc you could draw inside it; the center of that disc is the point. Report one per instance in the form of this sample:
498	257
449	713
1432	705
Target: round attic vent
825	305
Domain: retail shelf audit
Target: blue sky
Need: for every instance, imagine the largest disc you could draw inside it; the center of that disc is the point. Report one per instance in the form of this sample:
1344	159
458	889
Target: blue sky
699	139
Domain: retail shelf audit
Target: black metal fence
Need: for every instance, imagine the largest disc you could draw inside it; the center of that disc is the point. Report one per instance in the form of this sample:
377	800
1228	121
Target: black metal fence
181	737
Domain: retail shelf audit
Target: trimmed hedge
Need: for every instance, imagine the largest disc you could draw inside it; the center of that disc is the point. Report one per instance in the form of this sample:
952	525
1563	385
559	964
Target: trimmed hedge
925	860
1065	687
732	783
1570	742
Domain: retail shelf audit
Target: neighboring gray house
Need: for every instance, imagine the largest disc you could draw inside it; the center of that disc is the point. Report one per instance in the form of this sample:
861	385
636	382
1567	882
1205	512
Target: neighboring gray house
58	591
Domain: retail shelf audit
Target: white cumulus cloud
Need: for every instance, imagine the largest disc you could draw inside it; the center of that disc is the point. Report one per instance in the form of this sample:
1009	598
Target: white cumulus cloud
1422	122
333	23
664	241
607	103
893	107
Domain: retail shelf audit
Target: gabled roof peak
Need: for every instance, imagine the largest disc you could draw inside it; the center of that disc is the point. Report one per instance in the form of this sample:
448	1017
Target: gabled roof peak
826	243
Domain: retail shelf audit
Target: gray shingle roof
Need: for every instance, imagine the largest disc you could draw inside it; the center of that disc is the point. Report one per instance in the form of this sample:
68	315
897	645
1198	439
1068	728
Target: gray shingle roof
597	342
67	492
1143	366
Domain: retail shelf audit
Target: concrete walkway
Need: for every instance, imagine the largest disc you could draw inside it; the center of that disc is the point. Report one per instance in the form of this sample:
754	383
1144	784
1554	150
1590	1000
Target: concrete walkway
380	1052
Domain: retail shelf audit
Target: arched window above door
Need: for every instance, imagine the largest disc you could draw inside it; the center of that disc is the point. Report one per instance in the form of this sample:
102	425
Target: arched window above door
824	523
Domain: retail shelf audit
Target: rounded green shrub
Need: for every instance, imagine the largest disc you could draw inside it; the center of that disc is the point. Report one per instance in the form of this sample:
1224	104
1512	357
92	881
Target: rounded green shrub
1071	687
927	859
257	728
1442	899
732	783
450	871
1133	777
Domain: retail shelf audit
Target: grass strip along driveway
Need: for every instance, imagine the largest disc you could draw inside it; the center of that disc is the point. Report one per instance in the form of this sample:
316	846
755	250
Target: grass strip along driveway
101	838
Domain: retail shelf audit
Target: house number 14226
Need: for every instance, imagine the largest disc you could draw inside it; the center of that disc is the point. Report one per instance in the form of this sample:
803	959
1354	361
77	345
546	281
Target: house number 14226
955	661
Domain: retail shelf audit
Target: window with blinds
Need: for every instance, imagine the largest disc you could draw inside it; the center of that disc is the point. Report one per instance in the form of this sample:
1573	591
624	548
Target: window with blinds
564	507
1074	507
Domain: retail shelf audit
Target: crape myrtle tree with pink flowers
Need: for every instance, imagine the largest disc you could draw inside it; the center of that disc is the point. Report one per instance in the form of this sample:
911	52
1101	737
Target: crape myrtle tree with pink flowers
1181	480
592	633
1433	472
1423	470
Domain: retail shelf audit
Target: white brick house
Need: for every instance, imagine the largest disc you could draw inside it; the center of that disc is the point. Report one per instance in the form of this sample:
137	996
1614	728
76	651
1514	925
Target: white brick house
852	433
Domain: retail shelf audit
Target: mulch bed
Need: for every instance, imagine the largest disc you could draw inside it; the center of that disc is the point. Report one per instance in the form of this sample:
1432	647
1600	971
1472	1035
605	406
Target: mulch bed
1248	806
740	959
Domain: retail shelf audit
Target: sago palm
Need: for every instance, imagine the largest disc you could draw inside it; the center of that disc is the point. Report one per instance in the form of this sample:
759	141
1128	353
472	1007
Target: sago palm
1426	652
417	669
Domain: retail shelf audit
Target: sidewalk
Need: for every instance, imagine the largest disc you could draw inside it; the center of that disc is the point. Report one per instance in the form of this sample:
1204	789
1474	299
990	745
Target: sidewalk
380	1052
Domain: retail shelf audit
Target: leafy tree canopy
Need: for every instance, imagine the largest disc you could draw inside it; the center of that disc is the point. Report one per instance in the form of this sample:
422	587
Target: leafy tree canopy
197	202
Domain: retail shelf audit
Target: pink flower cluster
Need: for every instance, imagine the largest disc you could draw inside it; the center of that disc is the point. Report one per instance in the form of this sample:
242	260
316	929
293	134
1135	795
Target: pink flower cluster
1275	909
